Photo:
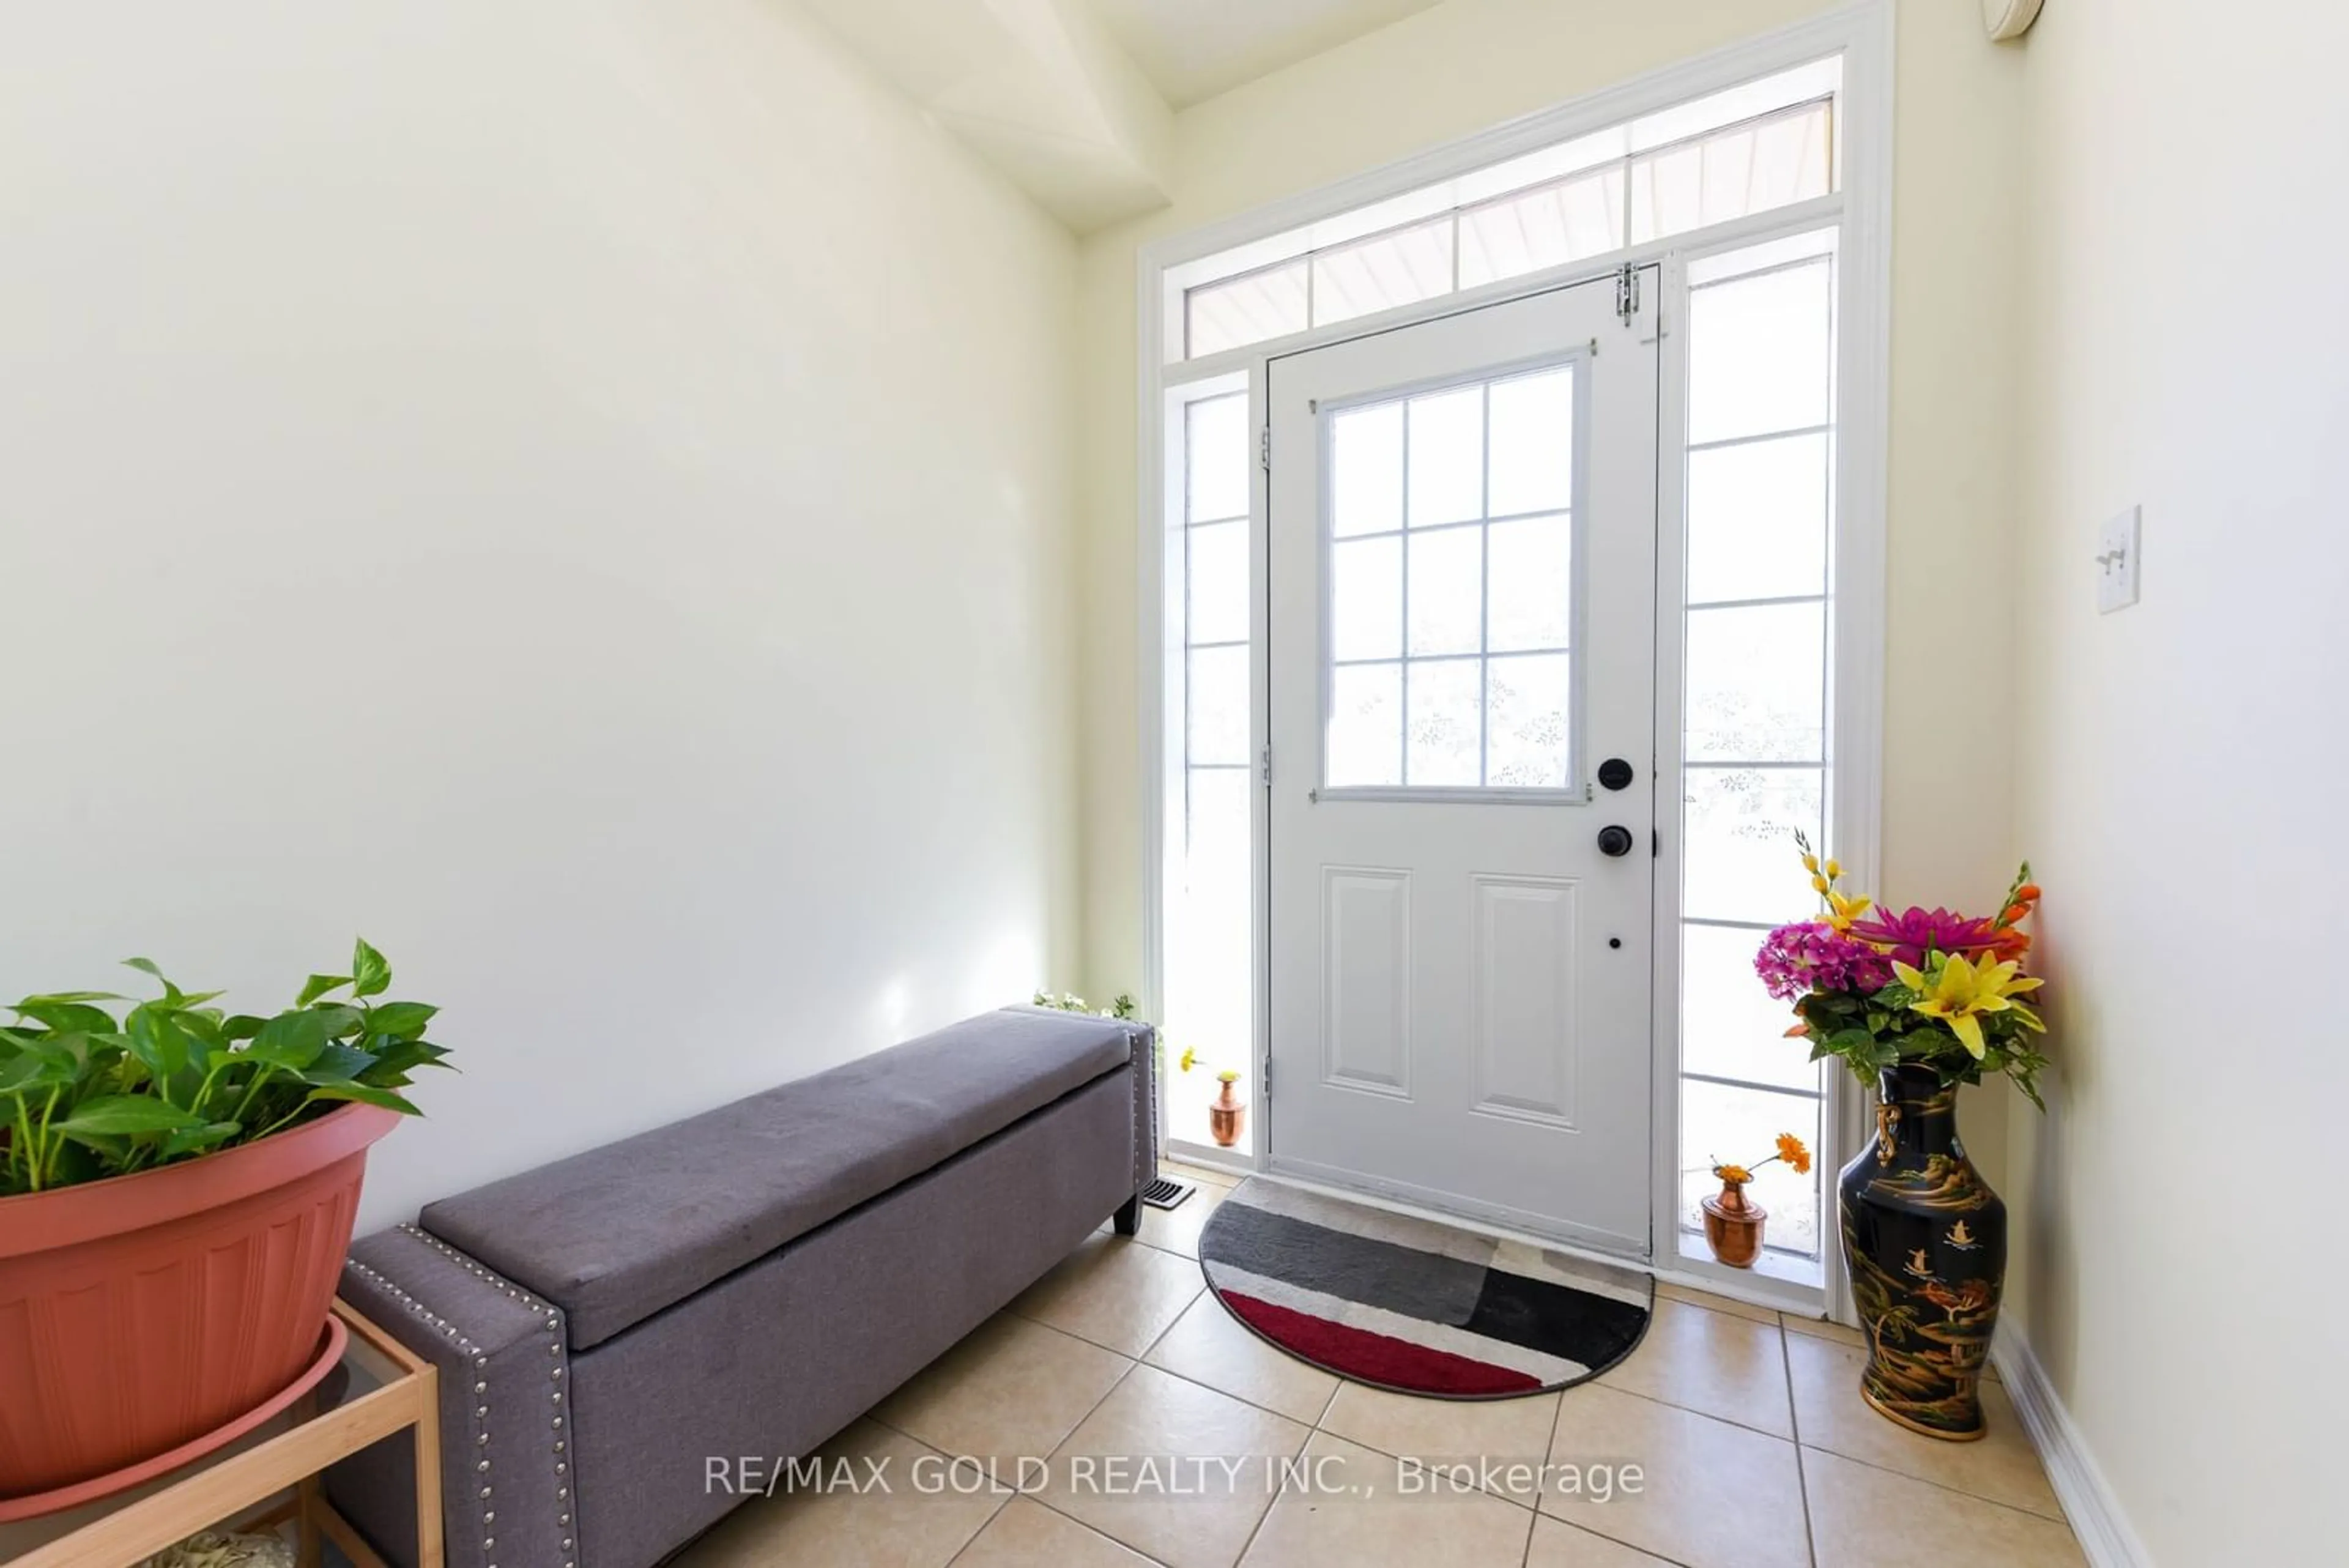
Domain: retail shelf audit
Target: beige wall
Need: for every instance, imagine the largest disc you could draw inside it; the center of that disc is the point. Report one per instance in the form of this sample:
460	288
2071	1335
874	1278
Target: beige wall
576	490
2180	761
1465	65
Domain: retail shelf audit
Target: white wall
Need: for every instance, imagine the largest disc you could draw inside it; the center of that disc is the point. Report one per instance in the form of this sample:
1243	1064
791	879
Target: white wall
2180	761
576	492
1468	64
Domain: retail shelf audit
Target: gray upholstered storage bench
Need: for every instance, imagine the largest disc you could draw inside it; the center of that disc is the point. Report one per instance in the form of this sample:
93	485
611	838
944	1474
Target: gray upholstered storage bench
746	1281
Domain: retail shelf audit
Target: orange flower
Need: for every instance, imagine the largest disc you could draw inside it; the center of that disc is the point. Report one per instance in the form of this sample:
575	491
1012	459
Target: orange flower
1736	1173
1791	1150
2028	892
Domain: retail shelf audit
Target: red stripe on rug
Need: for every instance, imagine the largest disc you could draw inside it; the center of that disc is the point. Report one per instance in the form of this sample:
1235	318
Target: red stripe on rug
1375	1357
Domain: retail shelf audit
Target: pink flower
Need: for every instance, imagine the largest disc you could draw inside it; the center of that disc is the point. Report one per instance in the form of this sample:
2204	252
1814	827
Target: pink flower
1799	960
1910	935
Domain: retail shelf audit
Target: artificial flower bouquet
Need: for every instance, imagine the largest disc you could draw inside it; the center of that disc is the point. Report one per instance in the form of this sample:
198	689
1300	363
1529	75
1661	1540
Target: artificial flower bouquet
1927	986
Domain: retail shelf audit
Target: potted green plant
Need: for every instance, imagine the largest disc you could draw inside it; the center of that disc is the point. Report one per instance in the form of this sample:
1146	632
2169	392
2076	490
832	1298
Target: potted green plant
1124	1009
177	1189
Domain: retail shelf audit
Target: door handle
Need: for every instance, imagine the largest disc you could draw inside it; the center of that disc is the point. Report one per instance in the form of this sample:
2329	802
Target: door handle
1614	841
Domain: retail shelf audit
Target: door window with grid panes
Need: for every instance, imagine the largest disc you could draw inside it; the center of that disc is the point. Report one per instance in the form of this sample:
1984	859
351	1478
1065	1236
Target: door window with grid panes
1451	529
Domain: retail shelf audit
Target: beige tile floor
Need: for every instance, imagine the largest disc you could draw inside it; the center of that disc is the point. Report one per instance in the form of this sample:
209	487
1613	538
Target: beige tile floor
1754	1450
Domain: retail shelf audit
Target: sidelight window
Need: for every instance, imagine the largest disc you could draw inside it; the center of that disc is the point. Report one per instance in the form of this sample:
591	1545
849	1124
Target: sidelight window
1755	749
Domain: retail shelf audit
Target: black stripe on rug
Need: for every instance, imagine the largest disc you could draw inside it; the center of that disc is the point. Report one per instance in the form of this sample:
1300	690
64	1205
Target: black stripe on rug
1536	1314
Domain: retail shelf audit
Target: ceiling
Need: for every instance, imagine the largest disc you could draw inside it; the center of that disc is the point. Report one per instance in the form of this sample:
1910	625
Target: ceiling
1075	99
1194	49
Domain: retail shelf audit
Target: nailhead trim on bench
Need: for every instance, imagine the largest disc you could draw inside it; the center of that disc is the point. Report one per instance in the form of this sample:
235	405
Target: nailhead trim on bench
553	1348
480	1359
1142	1053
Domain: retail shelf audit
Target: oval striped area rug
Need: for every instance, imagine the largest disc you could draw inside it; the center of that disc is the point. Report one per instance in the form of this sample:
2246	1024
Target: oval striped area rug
1413	1305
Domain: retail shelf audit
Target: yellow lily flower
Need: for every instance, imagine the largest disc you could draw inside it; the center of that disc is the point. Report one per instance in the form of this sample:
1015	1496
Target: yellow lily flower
1843	912
1961	994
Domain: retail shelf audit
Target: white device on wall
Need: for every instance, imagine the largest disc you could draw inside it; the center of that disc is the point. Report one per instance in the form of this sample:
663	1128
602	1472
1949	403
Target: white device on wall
2117	546
2009	19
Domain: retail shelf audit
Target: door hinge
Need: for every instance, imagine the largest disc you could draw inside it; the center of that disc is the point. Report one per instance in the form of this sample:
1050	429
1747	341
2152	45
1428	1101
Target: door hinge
1264	767
1627	294
1264	448
1266	1092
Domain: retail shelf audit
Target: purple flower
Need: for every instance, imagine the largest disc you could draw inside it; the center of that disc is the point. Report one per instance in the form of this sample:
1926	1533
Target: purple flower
1912	934
1799	960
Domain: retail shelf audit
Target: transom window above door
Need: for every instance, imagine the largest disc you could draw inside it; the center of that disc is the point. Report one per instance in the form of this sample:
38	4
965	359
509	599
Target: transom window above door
1766	144
1450	543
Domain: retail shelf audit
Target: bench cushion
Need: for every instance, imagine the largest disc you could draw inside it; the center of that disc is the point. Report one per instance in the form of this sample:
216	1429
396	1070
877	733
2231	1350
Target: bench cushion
616	1235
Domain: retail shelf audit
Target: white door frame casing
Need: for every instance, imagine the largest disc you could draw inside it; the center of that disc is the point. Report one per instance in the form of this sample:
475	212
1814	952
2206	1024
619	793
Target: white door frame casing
1863	35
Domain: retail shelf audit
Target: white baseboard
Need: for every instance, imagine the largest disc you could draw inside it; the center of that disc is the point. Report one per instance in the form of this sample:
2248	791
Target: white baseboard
2106	1538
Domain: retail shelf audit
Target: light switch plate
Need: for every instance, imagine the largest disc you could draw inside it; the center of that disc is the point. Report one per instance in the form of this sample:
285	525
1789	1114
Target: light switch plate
2117	552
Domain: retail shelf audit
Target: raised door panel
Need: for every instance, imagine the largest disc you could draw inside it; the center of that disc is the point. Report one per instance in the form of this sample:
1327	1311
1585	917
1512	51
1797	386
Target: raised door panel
1366	979
1522	1004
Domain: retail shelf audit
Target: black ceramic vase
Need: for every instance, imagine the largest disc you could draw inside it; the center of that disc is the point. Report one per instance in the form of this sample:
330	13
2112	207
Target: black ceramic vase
1925	1239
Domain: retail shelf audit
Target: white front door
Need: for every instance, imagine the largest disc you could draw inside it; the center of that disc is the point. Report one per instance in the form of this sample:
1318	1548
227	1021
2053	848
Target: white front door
1462	595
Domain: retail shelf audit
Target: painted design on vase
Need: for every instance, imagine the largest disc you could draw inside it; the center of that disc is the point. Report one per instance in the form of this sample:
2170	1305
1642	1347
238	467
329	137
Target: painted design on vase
1925	1239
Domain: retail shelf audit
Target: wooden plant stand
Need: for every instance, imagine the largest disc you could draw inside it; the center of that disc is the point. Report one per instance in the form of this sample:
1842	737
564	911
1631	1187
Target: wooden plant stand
274	1481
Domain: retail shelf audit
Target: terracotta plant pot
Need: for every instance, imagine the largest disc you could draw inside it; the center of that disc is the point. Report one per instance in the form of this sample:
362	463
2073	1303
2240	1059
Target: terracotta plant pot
1732	1226
1226	1118
143	1312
